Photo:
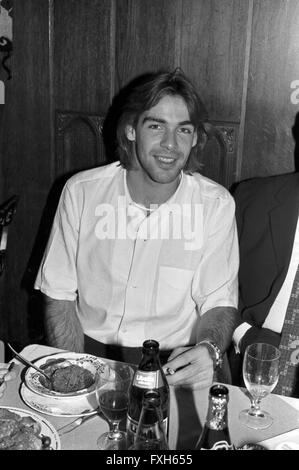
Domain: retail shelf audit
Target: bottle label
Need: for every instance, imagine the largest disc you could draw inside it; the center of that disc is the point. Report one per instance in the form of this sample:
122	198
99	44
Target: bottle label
220	445
132	427
148	380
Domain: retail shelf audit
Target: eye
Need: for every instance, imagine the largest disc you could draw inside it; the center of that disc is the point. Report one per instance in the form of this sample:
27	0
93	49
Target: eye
155	126
185	130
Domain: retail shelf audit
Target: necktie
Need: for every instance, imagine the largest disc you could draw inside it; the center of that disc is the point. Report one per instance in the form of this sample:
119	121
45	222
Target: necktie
289	345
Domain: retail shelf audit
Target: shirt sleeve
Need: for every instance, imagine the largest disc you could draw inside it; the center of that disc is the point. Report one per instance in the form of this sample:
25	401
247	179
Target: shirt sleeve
216	280
239	333
57	273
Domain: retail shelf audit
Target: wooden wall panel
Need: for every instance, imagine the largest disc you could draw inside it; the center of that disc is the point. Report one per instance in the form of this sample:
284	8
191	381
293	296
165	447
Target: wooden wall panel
78	134
213	39
219	156
274	64
146	37
3	117
26	159
82	55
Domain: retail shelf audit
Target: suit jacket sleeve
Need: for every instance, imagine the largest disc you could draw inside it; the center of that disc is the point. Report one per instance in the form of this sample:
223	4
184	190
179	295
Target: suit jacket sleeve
254	281
259	335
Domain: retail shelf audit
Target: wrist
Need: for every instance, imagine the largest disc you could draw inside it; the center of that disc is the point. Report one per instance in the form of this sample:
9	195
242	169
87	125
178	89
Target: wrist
214	352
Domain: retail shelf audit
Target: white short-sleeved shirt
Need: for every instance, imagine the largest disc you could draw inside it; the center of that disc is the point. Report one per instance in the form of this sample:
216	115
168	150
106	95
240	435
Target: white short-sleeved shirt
136	277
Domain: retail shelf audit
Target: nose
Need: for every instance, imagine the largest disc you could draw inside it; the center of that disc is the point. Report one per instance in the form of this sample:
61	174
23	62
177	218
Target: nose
169	140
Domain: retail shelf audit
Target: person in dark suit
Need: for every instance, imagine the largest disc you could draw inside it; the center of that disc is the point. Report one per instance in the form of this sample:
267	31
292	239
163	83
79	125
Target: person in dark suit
267	219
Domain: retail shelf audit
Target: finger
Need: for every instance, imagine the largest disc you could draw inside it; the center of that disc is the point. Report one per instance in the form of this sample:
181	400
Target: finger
179	360
192	374
187	356
175	353
195	370
181	376
13	373
3	372
8	375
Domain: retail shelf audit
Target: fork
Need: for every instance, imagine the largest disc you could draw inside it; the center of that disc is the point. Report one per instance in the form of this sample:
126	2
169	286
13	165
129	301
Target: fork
75	424
29	363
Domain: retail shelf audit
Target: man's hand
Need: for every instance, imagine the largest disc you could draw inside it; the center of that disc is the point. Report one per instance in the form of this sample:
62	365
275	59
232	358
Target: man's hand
190	367
6	375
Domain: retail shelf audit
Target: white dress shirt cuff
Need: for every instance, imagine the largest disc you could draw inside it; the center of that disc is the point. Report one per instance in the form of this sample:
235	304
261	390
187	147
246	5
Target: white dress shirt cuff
238	335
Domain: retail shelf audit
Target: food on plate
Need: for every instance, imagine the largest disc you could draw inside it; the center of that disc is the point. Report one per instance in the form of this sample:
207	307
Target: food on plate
21	433
71	379
67	378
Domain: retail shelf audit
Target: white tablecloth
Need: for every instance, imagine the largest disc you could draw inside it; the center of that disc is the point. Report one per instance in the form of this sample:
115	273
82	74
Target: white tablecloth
187	414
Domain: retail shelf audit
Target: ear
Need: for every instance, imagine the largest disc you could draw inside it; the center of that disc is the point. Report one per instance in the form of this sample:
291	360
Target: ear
130	133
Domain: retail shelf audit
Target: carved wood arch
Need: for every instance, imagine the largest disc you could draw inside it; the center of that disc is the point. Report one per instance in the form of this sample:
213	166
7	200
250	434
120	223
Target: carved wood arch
79	142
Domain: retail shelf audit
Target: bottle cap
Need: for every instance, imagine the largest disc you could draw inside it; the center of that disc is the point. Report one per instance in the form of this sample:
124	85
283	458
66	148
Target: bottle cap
218	390
150	345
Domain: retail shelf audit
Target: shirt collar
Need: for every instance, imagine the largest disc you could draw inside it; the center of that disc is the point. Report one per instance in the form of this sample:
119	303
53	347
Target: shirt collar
166	205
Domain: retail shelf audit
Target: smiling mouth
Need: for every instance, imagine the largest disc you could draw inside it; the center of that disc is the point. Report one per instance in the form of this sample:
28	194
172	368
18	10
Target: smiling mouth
166	160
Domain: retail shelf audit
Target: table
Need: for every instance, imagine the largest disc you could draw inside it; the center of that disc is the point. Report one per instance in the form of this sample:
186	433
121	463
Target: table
187	414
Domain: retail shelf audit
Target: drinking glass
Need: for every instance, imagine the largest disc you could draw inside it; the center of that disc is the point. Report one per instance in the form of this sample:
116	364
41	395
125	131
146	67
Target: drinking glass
260	373
112	386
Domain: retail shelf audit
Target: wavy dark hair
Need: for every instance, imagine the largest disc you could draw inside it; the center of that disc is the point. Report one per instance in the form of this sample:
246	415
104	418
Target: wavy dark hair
145	92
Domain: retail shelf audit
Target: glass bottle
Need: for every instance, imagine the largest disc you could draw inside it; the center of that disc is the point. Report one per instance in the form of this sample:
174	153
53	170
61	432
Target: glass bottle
150	433
149	376
215	434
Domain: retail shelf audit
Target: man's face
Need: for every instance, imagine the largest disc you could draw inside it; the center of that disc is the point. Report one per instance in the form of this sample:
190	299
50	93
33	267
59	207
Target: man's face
163	138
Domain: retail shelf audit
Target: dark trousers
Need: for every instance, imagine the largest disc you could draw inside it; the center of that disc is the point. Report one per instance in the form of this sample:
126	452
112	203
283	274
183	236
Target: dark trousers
118	353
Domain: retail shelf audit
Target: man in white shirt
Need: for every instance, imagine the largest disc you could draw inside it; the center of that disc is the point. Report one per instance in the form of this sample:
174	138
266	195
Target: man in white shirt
267	218
145	248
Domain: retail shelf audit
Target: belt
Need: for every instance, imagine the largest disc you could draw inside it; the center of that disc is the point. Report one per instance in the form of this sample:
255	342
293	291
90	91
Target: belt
117	352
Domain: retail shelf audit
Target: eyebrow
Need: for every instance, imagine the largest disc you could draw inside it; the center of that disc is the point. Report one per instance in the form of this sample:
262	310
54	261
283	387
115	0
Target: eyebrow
163	121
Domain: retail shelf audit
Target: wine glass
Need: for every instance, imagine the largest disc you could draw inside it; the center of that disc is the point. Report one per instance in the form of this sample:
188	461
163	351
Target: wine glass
112	386
260	373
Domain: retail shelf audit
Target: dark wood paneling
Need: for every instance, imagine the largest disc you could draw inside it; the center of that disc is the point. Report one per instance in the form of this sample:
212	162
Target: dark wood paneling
219	155
274	64
213	39
78	134
26	158
3	117
82	66
146	37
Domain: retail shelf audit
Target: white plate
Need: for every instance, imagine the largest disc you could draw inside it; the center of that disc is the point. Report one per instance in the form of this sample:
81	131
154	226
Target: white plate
58	406
285	441
89	362
47	429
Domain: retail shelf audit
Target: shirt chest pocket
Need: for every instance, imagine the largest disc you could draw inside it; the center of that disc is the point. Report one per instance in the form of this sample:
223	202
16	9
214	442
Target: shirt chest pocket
174	288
